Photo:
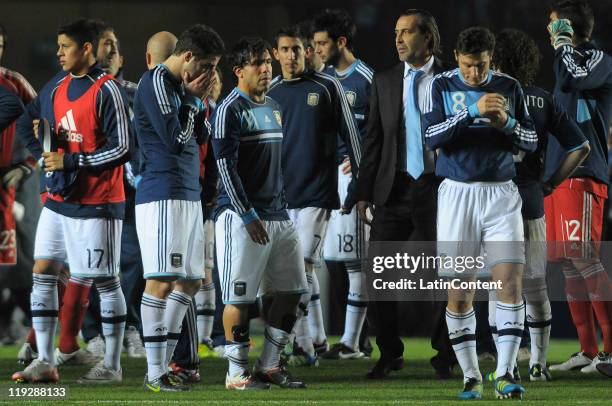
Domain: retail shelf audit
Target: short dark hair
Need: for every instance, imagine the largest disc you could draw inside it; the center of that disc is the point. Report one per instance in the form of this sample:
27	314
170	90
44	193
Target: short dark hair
201	40
306	32
81	31
517	55
427	26
245	50
579	12
475	40
101	27
292	31
337	23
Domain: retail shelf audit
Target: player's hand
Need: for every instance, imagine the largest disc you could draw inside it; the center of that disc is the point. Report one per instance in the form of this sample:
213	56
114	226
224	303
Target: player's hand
35	127
561	32
499	119
491	104
547	188
200	86
258	232
13	178
362	211
346	166
54	161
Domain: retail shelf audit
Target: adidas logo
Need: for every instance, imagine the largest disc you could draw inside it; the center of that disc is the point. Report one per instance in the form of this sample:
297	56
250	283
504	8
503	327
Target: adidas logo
267	119
68	130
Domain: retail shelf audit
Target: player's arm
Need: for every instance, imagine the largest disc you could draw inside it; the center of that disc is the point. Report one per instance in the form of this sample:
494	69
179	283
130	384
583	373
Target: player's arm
372	151
349	132
202	127
11	109
571	138
113	114
174	124
25	128
211	178
438	129
520	128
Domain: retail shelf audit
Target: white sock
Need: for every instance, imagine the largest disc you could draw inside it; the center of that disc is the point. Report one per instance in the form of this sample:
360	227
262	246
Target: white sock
315	313
176	307
462	334
539	319
492	316
510	325
154	333
356	306
205	304
238	356
274	342
112	315
301	330
45	307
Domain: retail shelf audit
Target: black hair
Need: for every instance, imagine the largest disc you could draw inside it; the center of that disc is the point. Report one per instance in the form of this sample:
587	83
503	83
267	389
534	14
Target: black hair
101	27
337	23
475	40
81	31
245	50
427	26
201	40
306	33
516	54
290	31
579	12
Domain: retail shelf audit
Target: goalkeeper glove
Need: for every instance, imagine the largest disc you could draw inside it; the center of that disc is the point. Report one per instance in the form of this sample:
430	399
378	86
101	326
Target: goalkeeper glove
561	32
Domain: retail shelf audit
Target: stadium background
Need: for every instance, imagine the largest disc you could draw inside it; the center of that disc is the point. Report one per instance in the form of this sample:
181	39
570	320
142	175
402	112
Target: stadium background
31	48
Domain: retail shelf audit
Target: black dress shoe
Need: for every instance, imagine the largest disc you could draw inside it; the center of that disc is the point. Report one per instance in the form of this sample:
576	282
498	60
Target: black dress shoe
443	369
384	366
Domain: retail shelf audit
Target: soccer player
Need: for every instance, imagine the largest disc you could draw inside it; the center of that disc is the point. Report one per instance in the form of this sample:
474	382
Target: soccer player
575	210
477	118
110	60
168	210
316	113
517	55
81	221
313	60
345	242
258	251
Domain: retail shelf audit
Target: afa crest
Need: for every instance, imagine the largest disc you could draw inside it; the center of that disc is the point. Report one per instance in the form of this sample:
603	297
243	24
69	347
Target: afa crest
313	99
277	116
351	97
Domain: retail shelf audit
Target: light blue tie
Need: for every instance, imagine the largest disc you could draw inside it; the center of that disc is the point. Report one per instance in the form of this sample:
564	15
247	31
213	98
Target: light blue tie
412	121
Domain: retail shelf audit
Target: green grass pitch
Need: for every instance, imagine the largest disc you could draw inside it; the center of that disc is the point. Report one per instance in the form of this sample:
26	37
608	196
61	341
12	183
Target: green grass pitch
333	382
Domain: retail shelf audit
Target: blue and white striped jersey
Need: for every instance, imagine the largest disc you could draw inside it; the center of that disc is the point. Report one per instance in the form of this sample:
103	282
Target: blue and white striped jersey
168	128
315	112
470	149
247	142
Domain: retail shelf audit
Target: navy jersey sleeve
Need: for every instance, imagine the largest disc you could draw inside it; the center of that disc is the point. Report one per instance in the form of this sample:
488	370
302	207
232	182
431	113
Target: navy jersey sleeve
174	124
576	71
564	129
25	128
523	135
440	130
113	113
11	108
348	131
226	142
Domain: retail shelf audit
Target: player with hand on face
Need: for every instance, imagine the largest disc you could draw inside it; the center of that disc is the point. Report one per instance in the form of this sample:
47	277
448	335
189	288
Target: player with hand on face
575	209
477	119
168	208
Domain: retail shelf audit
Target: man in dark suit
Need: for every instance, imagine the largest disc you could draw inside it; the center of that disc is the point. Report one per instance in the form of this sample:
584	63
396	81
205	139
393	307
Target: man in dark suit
397	176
